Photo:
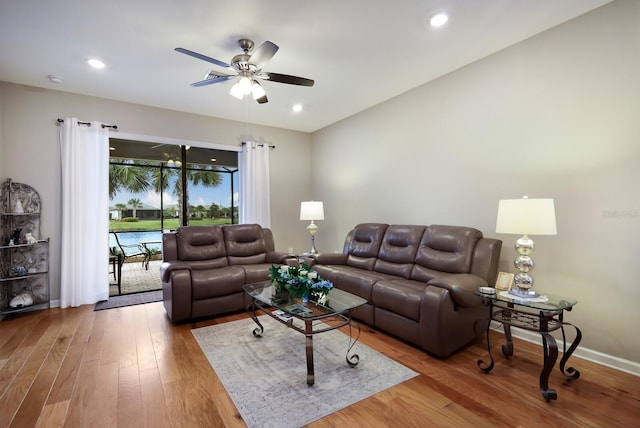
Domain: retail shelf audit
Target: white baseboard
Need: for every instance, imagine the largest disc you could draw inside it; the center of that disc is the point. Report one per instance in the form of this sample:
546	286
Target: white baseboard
54	303
621	364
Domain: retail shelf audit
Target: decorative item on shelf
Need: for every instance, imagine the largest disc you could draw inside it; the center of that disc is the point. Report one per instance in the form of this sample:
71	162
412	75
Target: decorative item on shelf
30	239
527	217
21	300
18	209
312	210
14	239
299	282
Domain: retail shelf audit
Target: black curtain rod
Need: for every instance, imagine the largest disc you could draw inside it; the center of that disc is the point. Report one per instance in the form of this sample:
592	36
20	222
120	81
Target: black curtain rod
89	124
260	144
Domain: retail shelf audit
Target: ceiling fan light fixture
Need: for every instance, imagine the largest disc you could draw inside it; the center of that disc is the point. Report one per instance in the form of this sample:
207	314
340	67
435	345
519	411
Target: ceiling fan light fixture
236	91
242	87
258	91
245	85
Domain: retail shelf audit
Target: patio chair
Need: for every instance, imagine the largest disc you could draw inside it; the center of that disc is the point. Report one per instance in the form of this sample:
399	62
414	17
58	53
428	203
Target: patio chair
127	251
116	260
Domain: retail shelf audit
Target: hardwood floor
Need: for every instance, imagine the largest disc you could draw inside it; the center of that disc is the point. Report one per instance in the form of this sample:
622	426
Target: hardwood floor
131	367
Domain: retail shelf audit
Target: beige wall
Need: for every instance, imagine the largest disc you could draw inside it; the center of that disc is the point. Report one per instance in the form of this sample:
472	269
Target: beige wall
31	154
555	116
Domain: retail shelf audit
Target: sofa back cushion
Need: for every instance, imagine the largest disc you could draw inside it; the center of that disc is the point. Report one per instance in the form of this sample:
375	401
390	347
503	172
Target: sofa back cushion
196	243
445	249
398	249
245	244
364	244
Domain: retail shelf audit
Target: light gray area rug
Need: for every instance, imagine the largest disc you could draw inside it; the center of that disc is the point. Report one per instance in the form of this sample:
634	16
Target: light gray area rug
266	376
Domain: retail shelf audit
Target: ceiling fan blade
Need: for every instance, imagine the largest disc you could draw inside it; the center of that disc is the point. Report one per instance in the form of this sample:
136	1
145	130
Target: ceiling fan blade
263	99
263	54
285	78
211	81
205	58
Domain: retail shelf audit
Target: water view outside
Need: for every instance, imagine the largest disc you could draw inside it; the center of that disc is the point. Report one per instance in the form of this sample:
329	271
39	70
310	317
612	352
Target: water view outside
135	238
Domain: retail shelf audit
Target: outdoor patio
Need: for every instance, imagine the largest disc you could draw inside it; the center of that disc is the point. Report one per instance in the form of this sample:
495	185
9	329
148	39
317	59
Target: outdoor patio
135	278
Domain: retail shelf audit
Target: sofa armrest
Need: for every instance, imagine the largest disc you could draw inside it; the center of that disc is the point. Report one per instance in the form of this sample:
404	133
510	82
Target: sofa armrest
461	287
167	267
330	259
278	257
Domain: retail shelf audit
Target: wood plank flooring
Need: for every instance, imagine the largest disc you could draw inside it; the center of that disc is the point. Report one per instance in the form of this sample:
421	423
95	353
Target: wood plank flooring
131	367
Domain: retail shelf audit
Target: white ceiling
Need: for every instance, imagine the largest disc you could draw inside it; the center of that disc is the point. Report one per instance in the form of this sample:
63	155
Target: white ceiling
359	52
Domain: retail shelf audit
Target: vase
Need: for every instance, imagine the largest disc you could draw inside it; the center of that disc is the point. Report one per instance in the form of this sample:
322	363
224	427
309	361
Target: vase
305	298
280	297
18	208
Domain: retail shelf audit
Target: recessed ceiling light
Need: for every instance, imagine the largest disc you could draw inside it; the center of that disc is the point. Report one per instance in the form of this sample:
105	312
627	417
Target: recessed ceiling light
112	148
54	79
297	108
95	63
439	20
213	159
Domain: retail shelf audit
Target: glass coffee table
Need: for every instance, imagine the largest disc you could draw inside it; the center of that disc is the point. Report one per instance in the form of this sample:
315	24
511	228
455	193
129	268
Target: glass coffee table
306	318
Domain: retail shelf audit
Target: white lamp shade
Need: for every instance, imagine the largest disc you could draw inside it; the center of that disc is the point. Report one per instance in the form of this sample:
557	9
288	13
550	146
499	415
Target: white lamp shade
258	91
311	210
526	217
236	91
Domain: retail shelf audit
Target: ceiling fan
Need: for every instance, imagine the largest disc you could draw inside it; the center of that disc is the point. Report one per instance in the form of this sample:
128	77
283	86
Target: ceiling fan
247	67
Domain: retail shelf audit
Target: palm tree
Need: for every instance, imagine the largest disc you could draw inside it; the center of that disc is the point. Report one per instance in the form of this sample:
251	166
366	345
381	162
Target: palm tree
135	203
127	177
120	208
199	210
137	179
162	178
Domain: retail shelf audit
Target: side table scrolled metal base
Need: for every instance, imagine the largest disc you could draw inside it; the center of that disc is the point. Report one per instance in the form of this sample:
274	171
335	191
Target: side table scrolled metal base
548	318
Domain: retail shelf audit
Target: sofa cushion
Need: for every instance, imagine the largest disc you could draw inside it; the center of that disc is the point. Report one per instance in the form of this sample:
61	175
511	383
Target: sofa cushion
354	280
401	296
398	250
245	244
210	283
364	245
200	243
445	249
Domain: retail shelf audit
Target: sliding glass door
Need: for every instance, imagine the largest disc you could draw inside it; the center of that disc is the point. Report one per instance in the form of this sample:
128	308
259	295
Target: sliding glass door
154	188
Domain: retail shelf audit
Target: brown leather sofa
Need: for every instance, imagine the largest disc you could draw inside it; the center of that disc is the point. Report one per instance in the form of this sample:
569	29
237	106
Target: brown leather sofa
205	267
418	280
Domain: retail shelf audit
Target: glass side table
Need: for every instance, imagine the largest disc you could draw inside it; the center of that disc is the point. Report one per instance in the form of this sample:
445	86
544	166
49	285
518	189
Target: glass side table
542	317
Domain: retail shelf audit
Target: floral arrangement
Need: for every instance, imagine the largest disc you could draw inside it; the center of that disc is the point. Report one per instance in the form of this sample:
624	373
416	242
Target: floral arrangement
299	281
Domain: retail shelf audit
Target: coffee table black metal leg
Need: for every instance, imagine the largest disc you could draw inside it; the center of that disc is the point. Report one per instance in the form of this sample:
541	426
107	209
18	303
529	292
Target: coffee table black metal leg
251	310
550	356
354	359
308	331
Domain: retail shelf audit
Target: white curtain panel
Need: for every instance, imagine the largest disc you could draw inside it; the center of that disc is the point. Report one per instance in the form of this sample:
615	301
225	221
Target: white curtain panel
255	197
84	276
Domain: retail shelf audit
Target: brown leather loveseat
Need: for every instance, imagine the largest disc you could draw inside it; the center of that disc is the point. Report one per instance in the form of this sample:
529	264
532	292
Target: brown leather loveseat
205	268
418	280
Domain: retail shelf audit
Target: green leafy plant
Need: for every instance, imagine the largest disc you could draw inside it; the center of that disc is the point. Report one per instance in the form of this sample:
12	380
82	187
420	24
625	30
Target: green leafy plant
299	281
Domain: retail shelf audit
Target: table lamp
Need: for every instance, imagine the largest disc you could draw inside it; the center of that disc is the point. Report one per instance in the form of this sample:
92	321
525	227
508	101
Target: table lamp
312	210
527	217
